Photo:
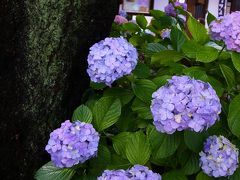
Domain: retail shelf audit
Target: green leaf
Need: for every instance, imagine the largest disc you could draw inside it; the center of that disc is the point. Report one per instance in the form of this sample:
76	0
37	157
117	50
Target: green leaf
143	89
153	48
97	86
217	85
194	141
161	80
228	74
236	60
192	165
210	18
125	95
190	48
117	162
166	57
103	157
207	54
131	27
119	143
106	112
236	175
177	38
83	114
157	13
234	116
100	162
141	21
167	21
142	109
196	72
197	30
50	172
142	70
165	146
174	175
138	149
136	40
126	121
202	176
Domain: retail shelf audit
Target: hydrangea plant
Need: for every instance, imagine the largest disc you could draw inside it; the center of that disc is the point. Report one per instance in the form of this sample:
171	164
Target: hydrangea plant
72	143
157	107
185	103
137	172
219	157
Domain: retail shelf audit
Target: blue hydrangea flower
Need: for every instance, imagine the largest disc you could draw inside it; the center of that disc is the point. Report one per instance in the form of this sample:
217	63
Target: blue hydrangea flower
72	143
114	175
219	157
139	172
185	103
227	28
122	13
165	33
170	8
111	59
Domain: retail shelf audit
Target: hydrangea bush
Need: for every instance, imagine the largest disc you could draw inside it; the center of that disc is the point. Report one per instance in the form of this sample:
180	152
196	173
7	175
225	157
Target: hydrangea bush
158	107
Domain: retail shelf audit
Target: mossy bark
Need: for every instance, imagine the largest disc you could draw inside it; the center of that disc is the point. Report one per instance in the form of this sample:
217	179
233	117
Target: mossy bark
43	49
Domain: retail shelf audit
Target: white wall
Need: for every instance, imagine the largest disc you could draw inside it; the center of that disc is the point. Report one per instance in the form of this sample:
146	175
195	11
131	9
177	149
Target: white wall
160	4
213	7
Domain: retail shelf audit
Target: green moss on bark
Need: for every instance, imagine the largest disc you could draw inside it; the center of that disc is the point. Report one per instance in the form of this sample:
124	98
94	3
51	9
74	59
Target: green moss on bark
44	68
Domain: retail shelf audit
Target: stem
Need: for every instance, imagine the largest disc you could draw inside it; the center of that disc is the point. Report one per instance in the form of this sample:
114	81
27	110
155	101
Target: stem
221	50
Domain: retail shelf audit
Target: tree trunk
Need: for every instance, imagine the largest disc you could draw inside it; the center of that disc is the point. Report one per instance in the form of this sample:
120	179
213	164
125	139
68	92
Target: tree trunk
43	50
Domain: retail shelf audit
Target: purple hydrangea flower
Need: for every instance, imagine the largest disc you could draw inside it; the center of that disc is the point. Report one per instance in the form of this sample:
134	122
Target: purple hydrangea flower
219	157
170	8
120	19
111	59
137	172
165	33
123	13
114	175
227	28
185	103
72	143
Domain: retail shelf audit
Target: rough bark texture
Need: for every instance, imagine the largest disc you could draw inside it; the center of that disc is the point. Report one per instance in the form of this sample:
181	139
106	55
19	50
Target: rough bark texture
43	49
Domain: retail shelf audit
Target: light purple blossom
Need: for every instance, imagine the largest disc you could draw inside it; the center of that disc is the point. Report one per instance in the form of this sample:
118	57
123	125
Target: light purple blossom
111	59
171	10
165	33
114	175
219	157
137	172
120	19
185	103
227	28
122	13
72	143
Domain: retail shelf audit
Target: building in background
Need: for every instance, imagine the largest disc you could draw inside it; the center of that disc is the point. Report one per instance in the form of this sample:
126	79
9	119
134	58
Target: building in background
198	8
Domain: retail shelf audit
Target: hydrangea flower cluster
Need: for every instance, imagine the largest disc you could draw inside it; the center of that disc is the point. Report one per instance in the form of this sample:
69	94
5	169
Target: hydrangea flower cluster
114	175
120	19
227	28
219	157
137	172
185	103
165	33
170	8
72	143
122	13
111	59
